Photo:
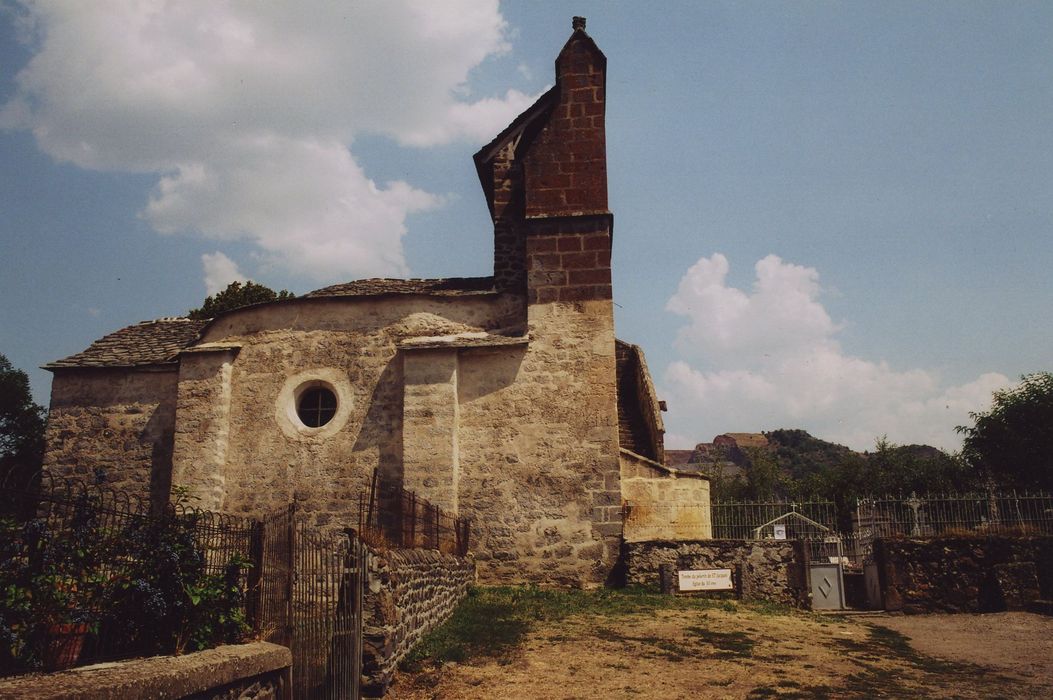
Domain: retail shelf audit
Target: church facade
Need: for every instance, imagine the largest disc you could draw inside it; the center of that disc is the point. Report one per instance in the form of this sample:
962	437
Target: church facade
506	399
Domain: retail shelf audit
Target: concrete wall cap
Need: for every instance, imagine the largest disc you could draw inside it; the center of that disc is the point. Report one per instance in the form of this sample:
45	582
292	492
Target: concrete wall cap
155	677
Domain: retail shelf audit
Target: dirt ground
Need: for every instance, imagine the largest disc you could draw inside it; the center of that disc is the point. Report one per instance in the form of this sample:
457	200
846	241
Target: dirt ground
744	652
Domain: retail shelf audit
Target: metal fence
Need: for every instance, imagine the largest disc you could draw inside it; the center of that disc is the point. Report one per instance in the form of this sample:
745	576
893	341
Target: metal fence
100	560
92	574
817	522
391	516
739	520
310	599
928	515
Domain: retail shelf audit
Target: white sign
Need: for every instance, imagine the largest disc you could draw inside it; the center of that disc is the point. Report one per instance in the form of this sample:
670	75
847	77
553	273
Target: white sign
706	580
780	531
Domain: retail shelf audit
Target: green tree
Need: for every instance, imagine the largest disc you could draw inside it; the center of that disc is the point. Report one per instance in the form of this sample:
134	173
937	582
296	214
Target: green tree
235	296
1012	443
21	423
918	468
764	480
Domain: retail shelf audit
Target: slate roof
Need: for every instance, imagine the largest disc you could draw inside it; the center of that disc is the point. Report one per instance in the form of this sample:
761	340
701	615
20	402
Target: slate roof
450	286
147	343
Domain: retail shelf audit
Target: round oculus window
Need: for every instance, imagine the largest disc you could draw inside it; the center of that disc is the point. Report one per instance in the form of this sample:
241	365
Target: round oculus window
316	406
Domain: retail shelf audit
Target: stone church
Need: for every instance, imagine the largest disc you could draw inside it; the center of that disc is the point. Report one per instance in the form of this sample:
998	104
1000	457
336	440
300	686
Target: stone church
506	399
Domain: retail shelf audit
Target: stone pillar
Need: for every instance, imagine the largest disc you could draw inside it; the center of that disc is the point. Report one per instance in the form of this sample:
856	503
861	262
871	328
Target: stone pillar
429	426
202	424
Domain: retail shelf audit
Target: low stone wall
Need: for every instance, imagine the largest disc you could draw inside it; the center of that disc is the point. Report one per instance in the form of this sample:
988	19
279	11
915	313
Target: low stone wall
409	593
762	570
257	671
964	574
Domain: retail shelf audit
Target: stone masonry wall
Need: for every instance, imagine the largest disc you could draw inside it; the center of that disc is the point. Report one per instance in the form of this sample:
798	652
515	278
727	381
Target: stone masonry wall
569	259
202	433
566	168
409	593
266	459
538	443
964	574
662	504
430	455
764	570
117	421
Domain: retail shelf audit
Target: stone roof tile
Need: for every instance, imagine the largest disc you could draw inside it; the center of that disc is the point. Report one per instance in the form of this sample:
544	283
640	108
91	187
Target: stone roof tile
147	343
452	286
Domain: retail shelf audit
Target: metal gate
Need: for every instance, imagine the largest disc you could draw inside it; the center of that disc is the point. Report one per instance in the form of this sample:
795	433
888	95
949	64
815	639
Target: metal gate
310	600
826	571
827	588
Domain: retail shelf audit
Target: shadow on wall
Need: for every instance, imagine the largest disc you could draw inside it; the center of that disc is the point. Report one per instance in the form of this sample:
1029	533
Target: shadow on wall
162	437
484	372
382	425
480	372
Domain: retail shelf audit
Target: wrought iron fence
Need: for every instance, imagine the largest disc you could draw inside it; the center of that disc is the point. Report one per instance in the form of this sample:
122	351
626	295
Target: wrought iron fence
310	599
929	515
122	576
816	521
92	574
739	520
391	516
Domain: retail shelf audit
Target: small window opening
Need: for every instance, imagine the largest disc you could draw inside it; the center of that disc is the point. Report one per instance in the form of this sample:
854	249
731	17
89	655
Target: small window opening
316	407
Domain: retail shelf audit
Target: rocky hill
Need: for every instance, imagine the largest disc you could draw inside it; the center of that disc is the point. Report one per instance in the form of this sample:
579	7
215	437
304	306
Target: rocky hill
791	463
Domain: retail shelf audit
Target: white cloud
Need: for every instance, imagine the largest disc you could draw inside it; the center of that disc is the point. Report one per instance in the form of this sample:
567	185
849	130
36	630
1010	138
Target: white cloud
769	358
248	112
220	271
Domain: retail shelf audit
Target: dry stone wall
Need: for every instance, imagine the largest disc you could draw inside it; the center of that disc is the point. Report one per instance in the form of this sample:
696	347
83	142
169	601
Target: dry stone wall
117	422
964	574
763	570
409	593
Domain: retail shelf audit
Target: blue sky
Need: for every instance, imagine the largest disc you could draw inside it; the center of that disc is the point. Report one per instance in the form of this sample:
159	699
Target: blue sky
833	216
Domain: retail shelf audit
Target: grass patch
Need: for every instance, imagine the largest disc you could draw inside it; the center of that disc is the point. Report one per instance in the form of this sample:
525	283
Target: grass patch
491	621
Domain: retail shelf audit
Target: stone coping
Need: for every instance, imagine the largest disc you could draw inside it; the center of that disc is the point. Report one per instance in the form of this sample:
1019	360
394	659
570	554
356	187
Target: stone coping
672	471
155	677
479	339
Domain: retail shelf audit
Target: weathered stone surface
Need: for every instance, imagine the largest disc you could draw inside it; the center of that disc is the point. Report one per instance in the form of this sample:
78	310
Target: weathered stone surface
763	569
661	503
963	574
117	423
256	671
1017	583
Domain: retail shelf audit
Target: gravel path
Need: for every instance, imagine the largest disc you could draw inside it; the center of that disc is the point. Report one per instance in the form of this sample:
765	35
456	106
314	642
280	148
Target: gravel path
1020	644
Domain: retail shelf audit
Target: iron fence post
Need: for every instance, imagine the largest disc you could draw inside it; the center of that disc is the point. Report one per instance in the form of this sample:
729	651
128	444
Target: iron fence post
254	599
290	579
